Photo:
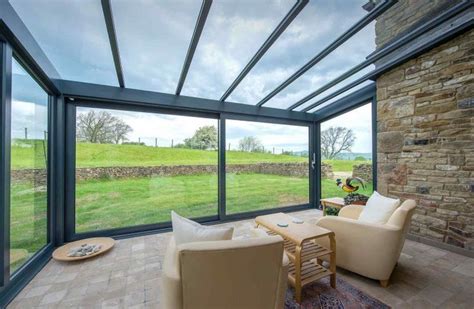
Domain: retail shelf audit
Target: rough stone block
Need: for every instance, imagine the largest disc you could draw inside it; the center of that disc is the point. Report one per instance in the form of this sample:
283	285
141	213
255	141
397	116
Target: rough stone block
423	190
390	142
447	167
466	103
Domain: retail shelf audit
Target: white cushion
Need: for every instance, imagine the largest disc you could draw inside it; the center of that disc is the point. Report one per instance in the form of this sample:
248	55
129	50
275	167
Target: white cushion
378	209
185	231
257	233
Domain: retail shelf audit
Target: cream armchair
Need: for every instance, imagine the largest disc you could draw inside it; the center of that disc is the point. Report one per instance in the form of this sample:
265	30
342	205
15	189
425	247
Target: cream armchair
371	250
244	273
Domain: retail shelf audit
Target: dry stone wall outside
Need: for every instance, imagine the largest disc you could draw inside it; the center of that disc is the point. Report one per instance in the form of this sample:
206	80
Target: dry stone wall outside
283	169
363	171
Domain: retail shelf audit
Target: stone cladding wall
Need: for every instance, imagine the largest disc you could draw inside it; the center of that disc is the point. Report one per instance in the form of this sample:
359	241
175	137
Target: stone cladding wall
425	139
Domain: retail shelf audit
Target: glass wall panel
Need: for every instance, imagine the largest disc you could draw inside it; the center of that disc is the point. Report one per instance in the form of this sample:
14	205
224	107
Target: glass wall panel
267	166
153	38
73	36
320	23
346	151
233	33
29	158
133	168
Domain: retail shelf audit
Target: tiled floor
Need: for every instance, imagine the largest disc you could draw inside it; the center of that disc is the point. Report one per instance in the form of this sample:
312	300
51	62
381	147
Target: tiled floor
129	277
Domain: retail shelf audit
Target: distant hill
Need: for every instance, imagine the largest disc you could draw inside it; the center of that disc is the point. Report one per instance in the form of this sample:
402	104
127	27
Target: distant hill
353	155
95	155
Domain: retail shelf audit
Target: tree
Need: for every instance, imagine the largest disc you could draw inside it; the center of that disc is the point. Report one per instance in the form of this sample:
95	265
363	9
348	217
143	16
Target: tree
250	144
335	140
119	131
102	128
204	138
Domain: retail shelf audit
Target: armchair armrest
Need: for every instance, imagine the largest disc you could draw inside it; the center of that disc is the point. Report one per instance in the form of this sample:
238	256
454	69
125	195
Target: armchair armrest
351	211
171	279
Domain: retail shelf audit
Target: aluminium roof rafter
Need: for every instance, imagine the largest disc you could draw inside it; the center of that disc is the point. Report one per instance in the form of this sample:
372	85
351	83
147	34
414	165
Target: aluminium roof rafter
295	10
201	21
377	11
109	23
384	52
452	28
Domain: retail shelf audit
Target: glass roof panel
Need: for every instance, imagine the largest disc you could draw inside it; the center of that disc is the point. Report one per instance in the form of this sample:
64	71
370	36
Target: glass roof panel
335	88
233	33
153	38
346	56
340	96
318	25
73	36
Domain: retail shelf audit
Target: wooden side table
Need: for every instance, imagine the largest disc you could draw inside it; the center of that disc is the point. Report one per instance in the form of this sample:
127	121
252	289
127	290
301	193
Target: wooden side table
302	250
335	202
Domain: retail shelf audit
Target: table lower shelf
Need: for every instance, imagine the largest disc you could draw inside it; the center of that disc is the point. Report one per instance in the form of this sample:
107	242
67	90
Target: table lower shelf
310	249
310	271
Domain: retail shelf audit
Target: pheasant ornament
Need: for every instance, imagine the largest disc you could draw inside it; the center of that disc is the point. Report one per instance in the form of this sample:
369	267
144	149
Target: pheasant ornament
350	185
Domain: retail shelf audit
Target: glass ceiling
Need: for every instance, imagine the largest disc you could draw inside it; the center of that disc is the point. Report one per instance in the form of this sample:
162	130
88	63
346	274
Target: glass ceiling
73	36
339	61
153	38
232	35
319	23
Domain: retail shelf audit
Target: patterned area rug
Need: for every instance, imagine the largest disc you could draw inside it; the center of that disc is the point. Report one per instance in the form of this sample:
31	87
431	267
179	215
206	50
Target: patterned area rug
320	295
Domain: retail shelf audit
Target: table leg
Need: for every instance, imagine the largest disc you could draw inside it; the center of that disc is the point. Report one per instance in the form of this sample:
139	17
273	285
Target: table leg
324	208
332	262
298	274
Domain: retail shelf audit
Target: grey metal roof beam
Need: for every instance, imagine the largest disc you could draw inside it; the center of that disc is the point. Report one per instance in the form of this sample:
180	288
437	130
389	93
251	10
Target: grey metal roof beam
286	21
380	9
15	32
109	22
385	51
455	28
201	21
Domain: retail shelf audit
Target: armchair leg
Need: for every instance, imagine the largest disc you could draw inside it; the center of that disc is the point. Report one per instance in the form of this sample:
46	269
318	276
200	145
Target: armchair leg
384	283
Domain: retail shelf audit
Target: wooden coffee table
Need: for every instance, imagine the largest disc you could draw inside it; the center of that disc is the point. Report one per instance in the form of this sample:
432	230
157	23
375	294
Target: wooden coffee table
302	250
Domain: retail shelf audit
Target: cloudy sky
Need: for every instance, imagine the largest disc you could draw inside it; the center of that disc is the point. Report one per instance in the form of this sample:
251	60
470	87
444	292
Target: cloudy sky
154	35
29	107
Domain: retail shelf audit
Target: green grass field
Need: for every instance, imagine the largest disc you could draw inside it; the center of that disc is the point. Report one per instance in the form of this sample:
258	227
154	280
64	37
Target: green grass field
135	201
113	203
28	221
104	155
343	165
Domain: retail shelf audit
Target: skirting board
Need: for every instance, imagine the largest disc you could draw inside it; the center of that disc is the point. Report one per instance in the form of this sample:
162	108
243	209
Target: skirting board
441	245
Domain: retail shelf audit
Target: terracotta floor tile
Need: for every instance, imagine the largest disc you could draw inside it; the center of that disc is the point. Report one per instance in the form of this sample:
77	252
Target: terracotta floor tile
129	276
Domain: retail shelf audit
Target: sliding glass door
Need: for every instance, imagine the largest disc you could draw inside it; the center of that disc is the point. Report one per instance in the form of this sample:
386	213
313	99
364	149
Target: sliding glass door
267	166
133	168
346	151
28	168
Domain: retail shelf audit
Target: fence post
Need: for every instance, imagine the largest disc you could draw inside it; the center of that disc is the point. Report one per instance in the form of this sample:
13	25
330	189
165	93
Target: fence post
26	133
172	143
156	142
